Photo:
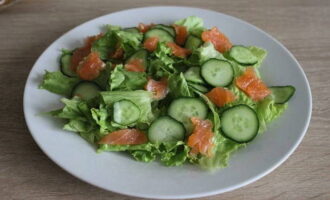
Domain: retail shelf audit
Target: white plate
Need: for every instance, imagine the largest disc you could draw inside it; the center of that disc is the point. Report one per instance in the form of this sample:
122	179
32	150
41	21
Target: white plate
119	173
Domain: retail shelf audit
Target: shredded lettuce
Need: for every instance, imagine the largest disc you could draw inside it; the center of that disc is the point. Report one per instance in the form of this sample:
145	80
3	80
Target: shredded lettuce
194	25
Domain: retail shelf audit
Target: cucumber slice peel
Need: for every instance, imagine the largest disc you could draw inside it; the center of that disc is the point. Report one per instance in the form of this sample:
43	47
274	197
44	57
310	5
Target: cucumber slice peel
166	129
125	112
217	72
282	94
242	55
240	123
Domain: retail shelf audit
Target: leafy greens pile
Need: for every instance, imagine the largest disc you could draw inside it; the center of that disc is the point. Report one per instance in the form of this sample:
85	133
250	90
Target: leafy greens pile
93	119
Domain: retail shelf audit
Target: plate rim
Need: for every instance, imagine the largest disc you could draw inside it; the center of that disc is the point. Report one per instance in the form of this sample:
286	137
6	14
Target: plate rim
201	194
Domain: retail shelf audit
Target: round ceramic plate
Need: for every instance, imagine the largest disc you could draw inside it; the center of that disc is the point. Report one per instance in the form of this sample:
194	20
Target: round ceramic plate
119	172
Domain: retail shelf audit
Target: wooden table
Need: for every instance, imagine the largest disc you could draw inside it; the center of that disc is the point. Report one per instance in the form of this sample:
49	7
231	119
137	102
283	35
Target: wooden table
27	28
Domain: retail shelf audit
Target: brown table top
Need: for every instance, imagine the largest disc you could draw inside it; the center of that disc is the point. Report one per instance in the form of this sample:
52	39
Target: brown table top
28	27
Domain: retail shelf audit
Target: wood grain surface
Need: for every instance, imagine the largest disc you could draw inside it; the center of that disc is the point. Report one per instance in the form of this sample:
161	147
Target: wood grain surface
28	27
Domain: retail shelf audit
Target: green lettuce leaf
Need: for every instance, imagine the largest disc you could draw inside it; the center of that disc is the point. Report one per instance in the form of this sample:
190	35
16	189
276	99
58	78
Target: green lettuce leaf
118	126
103	79
222	151
58	83
121	79
238	69
223	146
76	125
157	69
102	117
267	111
259	53
241	98
129	41
91	136
74	108
207	51
214	117
178	86
143	156
112	28
142	152
194	25
173	154
142	147
141	98
163	52
162	63
204	53
117	78
107	43
79	119
170	154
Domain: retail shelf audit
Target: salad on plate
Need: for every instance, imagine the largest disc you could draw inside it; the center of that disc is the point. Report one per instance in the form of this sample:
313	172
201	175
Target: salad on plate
178	93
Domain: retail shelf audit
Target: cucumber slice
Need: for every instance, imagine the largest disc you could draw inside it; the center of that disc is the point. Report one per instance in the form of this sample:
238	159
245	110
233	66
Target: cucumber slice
198	87
243	55
193	42
86	90
166	129
217	72
169	29
183	109
162	35
282	94
132	30
240	123
139	54
65	65
193	74
125	112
